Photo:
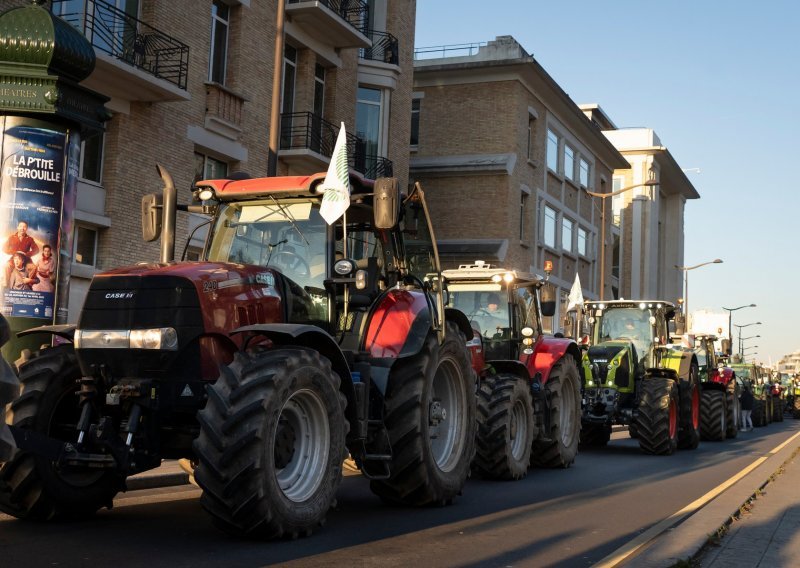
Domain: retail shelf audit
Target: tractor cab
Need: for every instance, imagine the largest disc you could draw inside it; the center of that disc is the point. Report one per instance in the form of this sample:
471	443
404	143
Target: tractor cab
502	305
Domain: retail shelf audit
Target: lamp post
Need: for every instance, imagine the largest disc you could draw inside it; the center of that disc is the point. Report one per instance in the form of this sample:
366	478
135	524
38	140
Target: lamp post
730	321
740	333
743	339
686	270
603	197
753	354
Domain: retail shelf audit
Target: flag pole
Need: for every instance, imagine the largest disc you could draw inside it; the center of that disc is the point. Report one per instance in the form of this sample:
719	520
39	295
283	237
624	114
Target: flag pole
344	253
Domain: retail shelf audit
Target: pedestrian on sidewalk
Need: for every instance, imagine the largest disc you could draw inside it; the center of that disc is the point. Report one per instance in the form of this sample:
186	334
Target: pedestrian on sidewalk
747	402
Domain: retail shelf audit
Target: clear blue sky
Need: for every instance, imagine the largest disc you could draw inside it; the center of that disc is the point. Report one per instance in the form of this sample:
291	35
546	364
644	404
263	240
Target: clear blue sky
718	80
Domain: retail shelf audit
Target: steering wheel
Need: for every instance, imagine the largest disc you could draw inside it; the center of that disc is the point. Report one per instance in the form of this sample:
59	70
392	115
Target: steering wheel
291	262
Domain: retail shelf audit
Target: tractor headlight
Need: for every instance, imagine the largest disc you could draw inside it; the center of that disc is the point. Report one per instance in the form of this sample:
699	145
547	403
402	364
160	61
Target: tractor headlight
344	267
165	338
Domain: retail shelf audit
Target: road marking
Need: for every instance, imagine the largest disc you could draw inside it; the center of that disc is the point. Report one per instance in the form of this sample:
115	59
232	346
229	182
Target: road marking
623	552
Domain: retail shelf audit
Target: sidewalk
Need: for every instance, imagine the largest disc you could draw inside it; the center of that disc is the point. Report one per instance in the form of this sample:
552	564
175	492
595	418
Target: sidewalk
754	522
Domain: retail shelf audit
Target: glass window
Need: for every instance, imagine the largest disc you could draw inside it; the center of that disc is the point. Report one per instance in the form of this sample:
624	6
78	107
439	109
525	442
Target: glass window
617	201
615	257
549	231
552	150
523	200
567	227
569	162
92	158
85	245
529	315
415	105
289	73
529	152
582	241
584	173
220	14
368	122
206	167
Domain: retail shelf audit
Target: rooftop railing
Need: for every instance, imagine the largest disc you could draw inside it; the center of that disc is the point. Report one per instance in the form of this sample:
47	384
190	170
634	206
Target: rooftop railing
440	51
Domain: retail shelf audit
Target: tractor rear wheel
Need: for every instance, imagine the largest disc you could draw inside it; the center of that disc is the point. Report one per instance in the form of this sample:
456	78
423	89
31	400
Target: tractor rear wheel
658	416
633	430
271	443
595	435
759	415
31	486
777	409
734	408
560	445
713	415
505	427
430	414
689	431
796	407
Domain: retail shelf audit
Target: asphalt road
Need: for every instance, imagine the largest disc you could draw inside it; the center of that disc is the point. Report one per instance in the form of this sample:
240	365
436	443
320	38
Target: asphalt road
572	517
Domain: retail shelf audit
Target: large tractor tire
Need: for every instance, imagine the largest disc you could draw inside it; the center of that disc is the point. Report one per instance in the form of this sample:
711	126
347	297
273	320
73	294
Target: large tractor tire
777	409
689	420
559	447
505	427
734	407
31	486
759	415
271	443
633	430
796	407
595	435
713	415
658	416
430	414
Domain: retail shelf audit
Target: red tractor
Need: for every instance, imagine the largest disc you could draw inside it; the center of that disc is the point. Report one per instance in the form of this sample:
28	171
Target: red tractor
720	410
290	343
529	386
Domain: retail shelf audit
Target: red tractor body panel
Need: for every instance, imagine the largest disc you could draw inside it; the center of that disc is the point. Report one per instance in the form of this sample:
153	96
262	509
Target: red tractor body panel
391	321
546	353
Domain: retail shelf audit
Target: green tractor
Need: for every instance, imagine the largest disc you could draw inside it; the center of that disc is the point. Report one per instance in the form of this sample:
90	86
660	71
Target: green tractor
720	410
793	397
634	376
758	379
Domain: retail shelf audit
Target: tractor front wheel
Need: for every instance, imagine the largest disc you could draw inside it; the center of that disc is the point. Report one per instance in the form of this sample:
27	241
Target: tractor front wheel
505	427
689	431
271	443
713	415
796	407
559	446
777	409
31	486
658	416
734	409
595	435
430	414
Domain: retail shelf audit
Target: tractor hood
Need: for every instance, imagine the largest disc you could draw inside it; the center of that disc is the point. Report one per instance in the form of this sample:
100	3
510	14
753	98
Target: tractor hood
606	351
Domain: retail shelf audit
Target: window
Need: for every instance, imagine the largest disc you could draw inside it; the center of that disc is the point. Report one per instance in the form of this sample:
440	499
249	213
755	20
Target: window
617	201
615	257
206	167
529	151
369	117
85	245
584	173
415	104
567	226
569	162
552	150
319	109
92	158
220	21
523	200
289	73
549	231
583	238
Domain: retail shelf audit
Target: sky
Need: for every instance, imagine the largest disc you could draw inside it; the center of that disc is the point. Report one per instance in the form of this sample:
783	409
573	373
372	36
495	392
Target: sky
718	81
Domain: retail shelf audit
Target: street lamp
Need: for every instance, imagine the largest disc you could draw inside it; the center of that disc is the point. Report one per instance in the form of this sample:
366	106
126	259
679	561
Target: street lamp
686	270
730	321
740	333
603	197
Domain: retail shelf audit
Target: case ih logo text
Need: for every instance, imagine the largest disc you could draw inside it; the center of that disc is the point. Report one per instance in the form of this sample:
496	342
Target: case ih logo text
119	295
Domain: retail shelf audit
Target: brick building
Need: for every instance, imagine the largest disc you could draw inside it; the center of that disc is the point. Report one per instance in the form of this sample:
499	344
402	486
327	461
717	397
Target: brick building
190	85
506	158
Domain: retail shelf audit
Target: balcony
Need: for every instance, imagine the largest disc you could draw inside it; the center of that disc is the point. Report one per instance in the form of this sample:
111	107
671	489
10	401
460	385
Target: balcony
135	61
342	23
223	111
384	48
307	142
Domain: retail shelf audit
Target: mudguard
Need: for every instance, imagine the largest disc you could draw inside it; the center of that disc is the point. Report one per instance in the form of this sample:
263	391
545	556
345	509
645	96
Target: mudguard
398	325
674	362
547	351
9	390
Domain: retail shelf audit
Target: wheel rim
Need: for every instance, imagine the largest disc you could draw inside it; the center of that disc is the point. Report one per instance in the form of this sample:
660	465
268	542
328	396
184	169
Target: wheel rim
301	445
673	418
518	429
446	415
566	414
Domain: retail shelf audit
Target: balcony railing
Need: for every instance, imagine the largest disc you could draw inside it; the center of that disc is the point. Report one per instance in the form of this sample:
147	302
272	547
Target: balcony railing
128	39
224	104
384	48
308	131
354	12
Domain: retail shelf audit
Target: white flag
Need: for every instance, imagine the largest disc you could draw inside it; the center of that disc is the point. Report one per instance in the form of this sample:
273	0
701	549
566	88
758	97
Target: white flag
336	198
575	294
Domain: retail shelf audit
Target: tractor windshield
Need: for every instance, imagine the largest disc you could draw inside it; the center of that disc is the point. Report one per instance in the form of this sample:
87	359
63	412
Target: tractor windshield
486	309
627	323
288	236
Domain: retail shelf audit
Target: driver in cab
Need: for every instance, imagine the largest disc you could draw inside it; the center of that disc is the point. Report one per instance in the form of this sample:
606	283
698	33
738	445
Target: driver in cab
492	319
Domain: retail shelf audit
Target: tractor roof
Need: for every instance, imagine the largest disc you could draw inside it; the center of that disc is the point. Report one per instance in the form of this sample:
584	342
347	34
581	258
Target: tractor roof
483	272
254	188
638	304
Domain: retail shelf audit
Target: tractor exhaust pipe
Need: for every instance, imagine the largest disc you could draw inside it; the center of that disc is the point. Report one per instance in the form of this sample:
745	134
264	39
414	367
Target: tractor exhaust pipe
168	215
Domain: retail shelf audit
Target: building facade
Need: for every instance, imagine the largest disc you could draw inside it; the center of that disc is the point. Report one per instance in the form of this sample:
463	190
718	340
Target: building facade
506	159
191	88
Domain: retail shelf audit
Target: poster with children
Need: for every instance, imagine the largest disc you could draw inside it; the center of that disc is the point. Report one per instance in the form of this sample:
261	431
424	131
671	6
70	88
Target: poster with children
33	163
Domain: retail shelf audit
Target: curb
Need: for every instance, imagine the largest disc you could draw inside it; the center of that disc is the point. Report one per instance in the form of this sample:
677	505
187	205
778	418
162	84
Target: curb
137	483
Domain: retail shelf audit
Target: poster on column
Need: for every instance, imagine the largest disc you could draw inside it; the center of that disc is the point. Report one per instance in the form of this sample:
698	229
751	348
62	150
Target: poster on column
33	161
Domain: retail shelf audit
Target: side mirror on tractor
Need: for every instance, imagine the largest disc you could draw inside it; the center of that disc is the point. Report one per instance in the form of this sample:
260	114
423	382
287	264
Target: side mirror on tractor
548	301
680	323
386	203
152	204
